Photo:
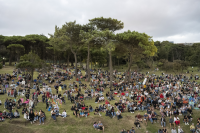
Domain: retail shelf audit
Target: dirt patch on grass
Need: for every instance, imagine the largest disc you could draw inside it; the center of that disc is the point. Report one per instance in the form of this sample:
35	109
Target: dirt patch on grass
18	122
12	128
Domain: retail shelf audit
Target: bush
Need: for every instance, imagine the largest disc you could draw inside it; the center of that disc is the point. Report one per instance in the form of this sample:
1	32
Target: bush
160	64
1	66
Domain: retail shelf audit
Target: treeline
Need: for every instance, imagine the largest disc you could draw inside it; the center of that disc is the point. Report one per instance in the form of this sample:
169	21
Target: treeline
97	43
176	56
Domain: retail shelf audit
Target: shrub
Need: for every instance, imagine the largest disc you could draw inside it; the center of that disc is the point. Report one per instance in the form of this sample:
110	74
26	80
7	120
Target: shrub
1	66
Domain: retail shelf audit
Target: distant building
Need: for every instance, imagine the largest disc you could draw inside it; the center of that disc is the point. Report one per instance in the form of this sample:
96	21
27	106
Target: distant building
189	44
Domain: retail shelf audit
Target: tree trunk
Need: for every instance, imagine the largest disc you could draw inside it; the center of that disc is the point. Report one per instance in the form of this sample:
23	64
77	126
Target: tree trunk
75	61
91	64
88	61
54	58
114	63
68	60
111	69
18	59
59	60
86	66
118	63
10	58
75	65
32	70
128	70
108	62
56	61
72	64
81	64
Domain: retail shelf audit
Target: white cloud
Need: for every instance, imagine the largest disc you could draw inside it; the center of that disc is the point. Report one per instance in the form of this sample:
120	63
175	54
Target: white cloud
177	21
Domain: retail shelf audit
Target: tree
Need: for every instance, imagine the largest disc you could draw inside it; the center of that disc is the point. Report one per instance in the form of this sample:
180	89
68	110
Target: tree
12	40
15	49
89	37
30	62
177	65
71	33
107	27
1	63
36	43
136	44
58	43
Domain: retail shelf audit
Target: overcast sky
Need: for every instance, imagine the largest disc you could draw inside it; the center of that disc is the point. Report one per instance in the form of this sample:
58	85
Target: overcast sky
173	20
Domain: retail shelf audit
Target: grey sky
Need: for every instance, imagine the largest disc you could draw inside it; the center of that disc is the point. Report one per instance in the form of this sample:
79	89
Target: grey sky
173	20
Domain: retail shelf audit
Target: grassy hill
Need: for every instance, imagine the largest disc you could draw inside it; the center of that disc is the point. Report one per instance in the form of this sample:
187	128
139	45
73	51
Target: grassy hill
72	124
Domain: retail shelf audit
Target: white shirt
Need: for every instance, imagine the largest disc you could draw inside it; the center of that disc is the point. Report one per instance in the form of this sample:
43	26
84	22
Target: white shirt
118	112
23	82
52	112
176	118
173	131
180	130
64	113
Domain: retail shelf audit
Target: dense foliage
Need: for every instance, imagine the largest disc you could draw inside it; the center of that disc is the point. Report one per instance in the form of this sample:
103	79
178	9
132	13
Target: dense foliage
97	43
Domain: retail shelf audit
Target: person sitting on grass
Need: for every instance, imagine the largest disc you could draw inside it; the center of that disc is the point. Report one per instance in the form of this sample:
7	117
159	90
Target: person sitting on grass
171	121
42	117
120	108
198	127
82	114
64	114
97	111
97	99
5	114
57	112
180	130
90	108
10	115
73	107
190	110
118	113
176	120
31	116
95	125
192	128
185	119
145	118
160	130
100	126
137	123
132	130
173	130
16	114
164	130
86	113
123	131
76	112
150	118
72	99
139	117
113	113
153	115
189	118
36	115
24	110
162	121
1	117
101	98
116	104
53	114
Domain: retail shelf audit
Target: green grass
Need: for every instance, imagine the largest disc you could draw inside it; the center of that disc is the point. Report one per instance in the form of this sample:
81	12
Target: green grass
72	124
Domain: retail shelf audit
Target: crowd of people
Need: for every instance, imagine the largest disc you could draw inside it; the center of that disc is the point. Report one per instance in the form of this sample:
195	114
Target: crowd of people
164	98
